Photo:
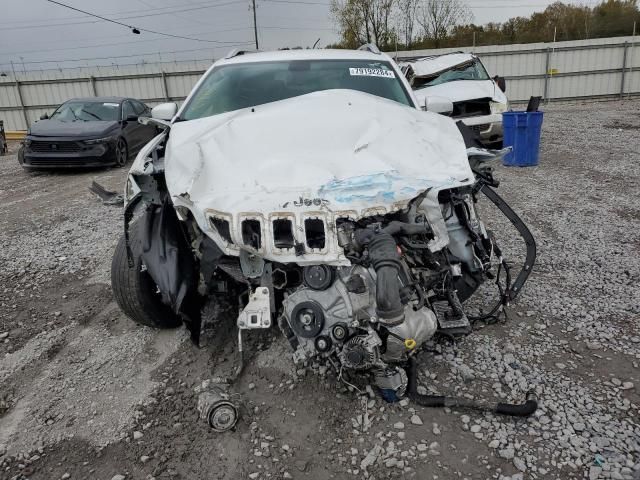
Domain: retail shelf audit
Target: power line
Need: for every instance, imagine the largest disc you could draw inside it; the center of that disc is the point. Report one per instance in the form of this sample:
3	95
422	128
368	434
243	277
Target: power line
80	47
62	60
104	45
138	29
206	5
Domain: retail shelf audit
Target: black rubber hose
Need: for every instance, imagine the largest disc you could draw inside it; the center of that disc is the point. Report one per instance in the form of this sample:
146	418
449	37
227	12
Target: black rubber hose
438	401
524	232
385	259
523	410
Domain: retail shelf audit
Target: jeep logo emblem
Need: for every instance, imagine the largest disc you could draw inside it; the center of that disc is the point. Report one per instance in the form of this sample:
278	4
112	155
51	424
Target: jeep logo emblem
308	202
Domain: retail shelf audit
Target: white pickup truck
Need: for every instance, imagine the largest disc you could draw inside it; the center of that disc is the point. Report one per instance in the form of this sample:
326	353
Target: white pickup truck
477	99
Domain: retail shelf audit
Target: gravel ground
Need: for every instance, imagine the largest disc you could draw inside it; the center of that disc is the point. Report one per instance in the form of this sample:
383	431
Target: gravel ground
86	394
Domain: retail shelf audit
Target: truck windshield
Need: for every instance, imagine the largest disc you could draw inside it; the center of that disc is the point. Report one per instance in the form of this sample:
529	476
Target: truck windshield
87	111
237	86
472	70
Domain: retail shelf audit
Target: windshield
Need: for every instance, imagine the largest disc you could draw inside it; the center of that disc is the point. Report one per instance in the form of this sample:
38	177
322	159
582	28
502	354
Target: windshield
87	111
472	70
232	87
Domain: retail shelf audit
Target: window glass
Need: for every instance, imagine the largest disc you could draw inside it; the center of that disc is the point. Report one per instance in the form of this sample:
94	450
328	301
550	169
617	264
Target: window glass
236	86
127	109
138	107
472	70
87	111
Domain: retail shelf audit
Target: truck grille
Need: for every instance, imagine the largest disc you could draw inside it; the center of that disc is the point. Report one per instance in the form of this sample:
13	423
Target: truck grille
480	128
471	108
54	147
283	233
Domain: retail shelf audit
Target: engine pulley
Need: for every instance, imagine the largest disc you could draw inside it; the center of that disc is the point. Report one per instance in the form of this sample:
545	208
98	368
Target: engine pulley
318	277
340	331
322	343
307	319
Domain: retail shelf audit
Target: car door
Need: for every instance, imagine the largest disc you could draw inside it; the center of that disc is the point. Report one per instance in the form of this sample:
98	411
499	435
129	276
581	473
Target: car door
133	132
147	131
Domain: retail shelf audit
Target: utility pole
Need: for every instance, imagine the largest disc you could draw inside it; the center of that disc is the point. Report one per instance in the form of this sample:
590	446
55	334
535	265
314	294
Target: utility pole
633	51
255	23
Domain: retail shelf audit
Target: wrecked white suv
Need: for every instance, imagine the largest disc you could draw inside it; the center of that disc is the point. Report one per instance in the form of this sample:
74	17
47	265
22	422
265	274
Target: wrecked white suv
307	190
476	99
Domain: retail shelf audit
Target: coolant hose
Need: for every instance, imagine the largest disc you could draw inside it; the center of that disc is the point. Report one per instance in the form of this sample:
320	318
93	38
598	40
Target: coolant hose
437	401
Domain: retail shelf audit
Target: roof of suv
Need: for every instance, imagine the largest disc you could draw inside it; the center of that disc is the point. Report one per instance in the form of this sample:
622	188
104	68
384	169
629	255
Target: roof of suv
320	54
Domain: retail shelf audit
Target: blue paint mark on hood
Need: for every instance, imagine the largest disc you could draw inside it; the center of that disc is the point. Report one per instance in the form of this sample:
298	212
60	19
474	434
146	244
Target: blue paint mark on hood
378	186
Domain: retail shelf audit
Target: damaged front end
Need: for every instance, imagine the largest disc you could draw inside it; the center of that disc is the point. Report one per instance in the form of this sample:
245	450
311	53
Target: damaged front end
358	271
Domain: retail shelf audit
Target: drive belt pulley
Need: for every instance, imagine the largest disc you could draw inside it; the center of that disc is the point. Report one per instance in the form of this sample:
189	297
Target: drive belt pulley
307	319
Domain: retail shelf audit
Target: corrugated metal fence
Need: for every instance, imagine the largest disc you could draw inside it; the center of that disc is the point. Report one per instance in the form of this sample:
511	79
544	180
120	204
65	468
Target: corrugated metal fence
599	68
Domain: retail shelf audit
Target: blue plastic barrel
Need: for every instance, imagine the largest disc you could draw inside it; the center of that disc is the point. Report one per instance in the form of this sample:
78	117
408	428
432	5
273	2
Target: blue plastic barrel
522	132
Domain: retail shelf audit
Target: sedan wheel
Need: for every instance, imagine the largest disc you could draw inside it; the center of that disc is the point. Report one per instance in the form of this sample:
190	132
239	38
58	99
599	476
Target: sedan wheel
121	153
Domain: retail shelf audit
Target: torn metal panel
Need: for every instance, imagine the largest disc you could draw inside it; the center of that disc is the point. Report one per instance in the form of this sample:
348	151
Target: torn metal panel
166	254
143	164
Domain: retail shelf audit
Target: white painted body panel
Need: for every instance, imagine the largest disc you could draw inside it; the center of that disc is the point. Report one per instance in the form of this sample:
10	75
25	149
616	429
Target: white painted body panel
323	155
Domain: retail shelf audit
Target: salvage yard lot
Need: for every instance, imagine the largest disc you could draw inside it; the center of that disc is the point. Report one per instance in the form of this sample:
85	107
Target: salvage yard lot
85	392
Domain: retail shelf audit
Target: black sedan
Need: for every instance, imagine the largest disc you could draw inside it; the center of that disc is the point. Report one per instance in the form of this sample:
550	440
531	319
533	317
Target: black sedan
87	132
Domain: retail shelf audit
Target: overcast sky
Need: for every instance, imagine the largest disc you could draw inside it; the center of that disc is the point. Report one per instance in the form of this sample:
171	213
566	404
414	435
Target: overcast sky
35	31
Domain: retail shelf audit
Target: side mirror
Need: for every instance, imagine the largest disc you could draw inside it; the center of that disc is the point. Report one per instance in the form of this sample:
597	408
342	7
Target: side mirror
440	105
164	111
132	118
44	116
501	82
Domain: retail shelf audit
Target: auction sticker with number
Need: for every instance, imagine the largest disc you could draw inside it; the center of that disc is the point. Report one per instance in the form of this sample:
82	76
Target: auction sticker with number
371	72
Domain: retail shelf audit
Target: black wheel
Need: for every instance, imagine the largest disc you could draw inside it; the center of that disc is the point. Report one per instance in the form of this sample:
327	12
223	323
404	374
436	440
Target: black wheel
122	153
135	291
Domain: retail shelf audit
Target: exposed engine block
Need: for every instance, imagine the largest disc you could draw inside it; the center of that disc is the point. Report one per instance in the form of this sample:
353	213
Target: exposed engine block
338	317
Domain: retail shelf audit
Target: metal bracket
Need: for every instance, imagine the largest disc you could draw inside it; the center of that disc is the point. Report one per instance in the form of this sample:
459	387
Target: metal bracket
257	313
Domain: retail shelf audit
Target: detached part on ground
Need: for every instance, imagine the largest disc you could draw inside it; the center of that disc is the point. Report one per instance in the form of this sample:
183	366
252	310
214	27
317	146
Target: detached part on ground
360	239
108	197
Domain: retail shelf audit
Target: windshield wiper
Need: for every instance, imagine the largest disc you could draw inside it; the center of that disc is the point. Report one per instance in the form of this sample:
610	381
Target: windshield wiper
89	113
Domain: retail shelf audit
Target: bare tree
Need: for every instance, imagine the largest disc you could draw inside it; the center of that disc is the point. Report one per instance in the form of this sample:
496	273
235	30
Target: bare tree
438	17
364	21
407	12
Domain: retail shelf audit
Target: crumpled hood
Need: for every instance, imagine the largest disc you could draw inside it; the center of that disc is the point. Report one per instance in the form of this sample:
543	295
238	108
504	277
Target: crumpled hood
461	90
339	149
431	66
56	128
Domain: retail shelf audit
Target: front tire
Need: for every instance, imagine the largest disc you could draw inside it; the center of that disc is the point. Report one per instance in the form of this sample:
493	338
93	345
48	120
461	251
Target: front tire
122	153
136	292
